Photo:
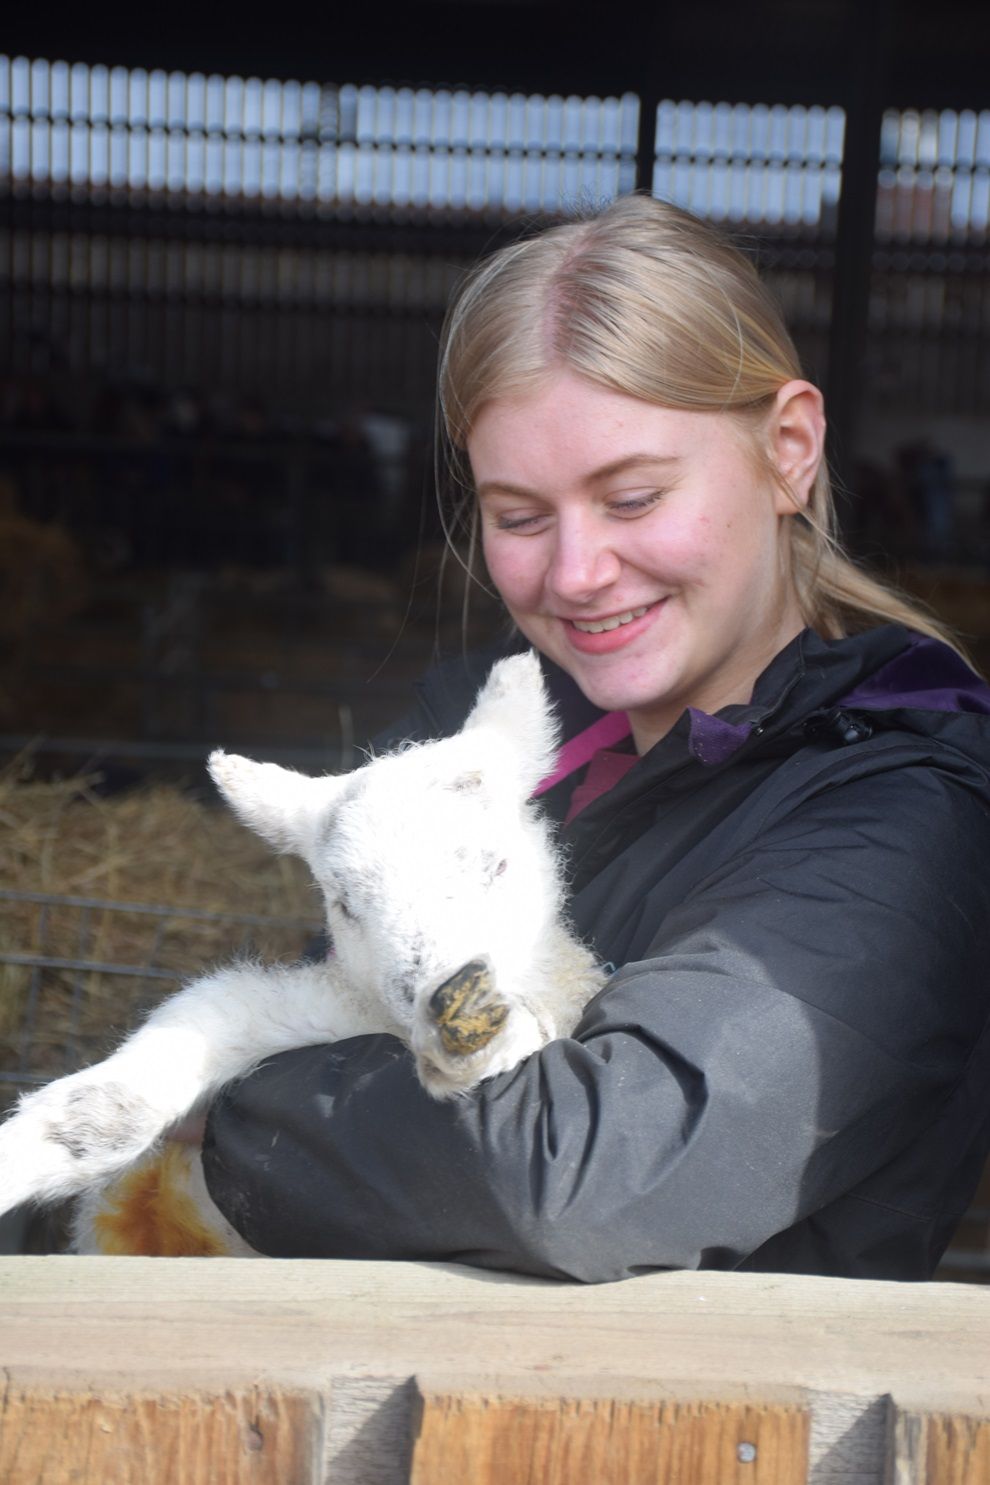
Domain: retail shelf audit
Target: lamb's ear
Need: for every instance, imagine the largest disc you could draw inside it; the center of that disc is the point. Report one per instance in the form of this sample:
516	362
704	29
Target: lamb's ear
285	807
513	704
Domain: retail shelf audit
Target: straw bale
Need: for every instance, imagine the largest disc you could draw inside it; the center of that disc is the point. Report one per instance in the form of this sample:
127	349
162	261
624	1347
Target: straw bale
155	845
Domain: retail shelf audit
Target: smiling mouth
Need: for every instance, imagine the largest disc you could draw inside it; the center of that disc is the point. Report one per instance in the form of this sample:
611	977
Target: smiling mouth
602	626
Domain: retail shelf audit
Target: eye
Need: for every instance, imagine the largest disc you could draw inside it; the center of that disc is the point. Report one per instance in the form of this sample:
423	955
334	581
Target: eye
493	868
345	910
635	505
525	524
466	783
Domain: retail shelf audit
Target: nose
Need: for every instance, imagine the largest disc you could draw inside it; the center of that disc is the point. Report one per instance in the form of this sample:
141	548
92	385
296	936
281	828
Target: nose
584	561
467	1010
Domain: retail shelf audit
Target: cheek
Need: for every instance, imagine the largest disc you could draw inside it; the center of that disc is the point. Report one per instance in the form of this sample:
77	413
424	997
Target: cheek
678	549
515	567
720	545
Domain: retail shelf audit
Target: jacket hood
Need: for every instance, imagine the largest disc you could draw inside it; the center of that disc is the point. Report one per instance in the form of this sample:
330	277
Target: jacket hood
825	685
925	675
889	677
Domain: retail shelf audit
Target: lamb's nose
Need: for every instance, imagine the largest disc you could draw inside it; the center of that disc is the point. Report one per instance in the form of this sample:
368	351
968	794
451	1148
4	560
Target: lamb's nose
467	1012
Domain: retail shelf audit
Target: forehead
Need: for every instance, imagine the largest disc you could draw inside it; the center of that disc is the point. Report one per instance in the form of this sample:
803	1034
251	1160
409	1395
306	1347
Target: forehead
572	425
416	789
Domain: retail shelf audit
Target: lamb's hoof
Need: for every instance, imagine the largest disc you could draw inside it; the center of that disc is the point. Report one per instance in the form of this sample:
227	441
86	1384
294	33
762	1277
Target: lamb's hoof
466	1010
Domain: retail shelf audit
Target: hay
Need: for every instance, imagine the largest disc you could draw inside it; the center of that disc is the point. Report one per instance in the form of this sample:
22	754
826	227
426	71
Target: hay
154	846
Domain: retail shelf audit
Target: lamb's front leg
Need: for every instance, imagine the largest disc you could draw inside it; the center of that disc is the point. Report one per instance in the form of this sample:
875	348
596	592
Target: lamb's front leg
93	1124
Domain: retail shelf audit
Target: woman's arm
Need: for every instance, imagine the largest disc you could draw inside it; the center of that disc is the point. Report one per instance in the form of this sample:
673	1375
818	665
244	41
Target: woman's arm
806	1021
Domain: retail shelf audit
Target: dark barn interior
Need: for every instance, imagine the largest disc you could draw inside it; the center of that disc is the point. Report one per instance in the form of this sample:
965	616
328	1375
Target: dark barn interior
224	281
225	250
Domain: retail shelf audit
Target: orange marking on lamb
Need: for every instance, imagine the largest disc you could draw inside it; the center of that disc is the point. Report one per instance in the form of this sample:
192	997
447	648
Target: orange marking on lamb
149	1212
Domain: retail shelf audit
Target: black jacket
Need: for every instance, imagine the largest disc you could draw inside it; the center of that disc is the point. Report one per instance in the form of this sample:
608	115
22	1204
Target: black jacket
789	1070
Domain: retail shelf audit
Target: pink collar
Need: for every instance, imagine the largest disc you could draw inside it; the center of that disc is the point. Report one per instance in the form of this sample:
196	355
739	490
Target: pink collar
579	750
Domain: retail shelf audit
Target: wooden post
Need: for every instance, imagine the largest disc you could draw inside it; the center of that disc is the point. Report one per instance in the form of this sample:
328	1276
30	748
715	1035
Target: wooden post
569	1441
259	1436
938	1449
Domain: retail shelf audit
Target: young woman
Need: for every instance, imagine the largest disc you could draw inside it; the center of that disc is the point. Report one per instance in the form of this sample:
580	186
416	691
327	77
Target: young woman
775	802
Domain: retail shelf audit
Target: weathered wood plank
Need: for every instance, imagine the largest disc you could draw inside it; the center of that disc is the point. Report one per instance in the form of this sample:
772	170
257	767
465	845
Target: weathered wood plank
252	1437
938	1449
179	1324
581	1441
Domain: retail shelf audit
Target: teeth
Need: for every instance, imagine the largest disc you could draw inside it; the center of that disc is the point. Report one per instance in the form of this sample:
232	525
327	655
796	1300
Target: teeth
613	623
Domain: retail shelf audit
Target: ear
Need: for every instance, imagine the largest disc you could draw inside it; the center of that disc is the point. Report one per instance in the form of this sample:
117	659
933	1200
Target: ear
284	807
514	708
797	442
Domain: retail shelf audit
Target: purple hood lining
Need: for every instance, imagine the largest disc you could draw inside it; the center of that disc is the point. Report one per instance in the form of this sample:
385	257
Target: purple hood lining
926	676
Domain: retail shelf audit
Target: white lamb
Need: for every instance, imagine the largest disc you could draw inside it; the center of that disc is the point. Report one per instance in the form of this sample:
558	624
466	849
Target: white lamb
444	902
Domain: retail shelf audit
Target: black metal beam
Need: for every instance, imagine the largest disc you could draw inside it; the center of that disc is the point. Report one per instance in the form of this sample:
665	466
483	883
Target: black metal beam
864	104
780	51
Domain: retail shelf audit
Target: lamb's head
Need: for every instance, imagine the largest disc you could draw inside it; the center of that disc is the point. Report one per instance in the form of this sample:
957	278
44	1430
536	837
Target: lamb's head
439	876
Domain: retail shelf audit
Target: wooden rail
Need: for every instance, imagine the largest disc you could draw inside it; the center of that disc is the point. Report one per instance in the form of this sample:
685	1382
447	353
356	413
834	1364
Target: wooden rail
134	1372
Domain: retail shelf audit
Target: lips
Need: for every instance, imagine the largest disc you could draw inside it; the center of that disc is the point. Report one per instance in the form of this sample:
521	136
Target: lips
601	636
601	626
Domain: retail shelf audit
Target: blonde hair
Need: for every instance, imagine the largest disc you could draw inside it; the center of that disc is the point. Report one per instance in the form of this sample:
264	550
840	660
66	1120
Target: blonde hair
645	299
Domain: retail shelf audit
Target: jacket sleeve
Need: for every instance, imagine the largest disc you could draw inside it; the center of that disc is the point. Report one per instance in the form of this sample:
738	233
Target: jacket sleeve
801	1018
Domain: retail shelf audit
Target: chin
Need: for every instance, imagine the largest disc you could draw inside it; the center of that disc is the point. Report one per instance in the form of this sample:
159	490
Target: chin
619	694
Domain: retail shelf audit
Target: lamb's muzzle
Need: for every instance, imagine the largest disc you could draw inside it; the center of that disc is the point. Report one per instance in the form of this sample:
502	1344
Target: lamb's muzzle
467	1011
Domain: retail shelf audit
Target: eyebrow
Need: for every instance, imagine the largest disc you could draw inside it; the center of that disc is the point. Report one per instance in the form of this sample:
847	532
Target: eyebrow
605	471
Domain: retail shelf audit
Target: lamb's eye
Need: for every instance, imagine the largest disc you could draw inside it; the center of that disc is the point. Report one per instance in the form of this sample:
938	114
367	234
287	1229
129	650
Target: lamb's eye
492	867
345	910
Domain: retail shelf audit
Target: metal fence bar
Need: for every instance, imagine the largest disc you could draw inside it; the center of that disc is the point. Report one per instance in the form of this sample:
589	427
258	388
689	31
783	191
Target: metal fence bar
84	972
34	987
86	966
48	899
340	691
82	934
976	1260
96	749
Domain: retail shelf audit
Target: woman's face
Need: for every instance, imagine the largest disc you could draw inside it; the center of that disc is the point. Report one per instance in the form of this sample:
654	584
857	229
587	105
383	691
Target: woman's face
640	547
